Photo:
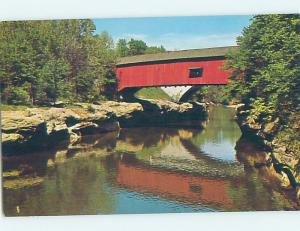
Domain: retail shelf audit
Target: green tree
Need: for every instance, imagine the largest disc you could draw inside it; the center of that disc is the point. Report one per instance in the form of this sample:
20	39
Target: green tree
153	50
266	74
267	68
18	57
136	47
214	93
98	75
122	48
56	87
20	95
45	61
54	60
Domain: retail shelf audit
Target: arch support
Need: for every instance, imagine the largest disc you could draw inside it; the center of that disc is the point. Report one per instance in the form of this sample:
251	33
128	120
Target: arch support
127	94
188	94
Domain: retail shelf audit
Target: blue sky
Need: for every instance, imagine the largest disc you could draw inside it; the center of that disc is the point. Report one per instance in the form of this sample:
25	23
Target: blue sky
177	33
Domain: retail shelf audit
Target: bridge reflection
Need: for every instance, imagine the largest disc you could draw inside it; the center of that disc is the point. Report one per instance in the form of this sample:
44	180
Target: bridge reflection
135	175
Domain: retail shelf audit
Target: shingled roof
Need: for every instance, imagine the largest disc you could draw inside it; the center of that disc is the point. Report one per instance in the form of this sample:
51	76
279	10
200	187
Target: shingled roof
176	55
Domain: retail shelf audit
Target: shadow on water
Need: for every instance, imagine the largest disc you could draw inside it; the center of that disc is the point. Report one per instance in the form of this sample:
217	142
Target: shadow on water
144	170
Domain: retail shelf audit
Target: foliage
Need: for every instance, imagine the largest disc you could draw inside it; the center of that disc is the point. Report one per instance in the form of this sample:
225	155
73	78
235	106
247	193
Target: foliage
153	50
260	110
136	47
45	61
52	77
266	75
122	48
266	67
19	95
215	94
291	140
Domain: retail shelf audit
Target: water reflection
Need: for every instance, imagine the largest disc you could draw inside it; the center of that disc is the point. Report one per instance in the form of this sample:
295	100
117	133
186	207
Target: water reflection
173	185
143	170
220	135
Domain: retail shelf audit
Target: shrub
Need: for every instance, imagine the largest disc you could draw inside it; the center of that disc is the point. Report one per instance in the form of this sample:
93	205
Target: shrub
19	96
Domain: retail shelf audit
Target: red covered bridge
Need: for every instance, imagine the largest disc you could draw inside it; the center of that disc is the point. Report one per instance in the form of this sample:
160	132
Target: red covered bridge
173	68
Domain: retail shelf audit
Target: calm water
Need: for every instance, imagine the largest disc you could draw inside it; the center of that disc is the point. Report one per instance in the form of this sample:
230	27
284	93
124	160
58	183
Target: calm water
142	170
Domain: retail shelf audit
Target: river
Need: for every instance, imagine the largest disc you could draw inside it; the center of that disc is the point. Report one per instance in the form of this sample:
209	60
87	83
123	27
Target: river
142	170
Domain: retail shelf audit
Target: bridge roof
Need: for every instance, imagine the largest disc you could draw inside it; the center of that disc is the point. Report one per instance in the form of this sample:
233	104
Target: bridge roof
177	55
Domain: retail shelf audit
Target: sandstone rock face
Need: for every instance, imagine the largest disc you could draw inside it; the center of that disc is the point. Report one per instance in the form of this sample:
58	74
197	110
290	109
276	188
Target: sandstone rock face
19	121
39	128
271	128
162	113
36	128
250	127
11	138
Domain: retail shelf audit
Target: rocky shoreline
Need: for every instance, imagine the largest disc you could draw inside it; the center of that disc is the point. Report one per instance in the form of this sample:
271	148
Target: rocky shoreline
276	158
36	128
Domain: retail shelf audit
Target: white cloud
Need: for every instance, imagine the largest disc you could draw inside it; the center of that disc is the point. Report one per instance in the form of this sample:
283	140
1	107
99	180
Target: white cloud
173	41
189	41
134	36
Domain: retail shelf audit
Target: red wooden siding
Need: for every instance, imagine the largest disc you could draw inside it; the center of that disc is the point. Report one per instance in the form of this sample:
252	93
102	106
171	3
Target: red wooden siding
171	74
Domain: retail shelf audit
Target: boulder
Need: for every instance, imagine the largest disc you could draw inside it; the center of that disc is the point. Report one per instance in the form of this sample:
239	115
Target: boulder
20	122
271	127
11	138
122	109
86	128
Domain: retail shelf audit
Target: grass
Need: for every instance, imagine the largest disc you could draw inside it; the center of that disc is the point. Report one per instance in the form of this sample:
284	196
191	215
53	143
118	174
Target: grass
73	107
152	93
144	93
5	107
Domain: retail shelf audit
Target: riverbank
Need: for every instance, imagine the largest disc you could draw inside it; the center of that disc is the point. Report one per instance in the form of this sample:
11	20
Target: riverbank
278	157
191	169
38	128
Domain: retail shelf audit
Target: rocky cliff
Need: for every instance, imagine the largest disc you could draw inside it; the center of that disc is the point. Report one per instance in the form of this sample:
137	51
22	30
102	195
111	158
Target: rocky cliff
282	161
35	128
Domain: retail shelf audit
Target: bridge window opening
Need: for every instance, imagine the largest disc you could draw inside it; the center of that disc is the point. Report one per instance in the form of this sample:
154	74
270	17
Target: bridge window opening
196	72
